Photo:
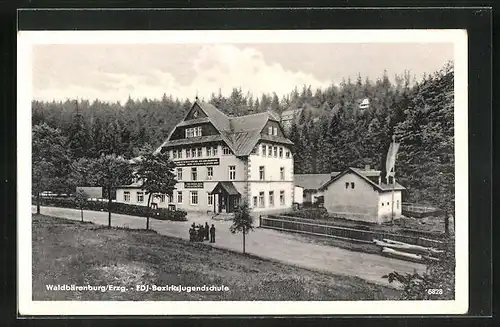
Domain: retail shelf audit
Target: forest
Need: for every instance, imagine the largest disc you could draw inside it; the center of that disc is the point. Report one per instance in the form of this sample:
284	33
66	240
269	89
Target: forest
331	133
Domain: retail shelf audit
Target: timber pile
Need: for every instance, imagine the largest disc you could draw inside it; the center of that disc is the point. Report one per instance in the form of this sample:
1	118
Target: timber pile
405	251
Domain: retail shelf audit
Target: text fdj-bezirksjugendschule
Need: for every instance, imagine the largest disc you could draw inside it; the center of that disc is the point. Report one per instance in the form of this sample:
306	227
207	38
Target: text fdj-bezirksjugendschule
136	288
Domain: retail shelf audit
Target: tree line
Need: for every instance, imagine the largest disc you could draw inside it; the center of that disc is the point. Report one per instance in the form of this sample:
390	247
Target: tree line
332	132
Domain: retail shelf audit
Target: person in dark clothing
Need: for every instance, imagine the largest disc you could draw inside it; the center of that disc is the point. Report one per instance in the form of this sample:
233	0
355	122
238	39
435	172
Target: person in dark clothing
212	234
193	226
207	230
201	234
191	234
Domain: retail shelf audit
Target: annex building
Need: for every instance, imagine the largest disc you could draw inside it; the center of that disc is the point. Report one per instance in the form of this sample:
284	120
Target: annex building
222	161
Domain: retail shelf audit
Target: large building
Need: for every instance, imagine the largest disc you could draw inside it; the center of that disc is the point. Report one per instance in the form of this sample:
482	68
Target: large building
222	161
362	195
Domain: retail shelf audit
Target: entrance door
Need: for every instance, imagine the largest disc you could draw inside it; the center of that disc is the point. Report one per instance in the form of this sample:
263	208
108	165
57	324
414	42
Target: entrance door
222	202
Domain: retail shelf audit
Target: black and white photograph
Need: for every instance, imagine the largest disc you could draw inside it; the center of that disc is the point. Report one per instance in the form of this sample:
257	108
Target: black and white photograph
249	172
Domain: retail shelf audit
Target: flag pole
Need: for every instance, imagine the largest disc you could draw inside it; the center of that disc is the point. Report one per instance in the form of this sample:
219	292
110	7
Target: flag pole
393	184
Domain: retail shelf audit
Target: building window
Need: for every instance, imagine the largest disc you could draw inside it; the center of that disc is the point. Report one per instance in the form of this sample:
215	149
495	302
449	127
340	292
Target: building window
387	203
287	154
382	204
271	198
188	153
282	173
209	151
255	150
162	198
275	150
194	197
232	172
140	197
346	185
270	130
226	150
261	199
269	151
194	174
193	132
210	172
262	173
179	153
170	198
281	152
179	196
282	198
126	196
264	149
215	151
210	199
179	174
275	131
174	154
200	152
255	202
194	153
352	184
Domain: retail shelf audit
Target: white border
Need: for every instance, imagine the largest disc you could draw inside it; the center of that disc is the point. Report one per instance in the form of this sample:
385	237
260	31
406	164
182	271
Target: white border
26	40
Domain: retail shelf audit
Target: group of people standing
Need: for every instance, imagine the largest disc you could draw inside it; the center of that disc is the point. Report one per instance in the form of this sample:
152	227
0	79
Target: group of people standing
201	233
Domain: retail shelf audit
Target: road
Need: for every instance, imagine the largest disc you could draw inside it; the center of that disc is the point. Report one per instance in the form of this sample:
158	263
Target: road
265	243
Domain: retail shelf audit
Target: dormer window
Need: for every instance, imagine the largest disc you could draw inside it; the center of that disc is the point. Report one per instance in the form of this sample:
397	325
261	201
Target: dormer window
270	130
275	131
193	132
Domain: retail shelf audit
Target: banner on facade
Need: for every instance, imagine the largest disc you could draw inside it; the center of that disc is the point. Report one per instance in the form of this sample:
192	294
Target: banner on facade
198	162
193	184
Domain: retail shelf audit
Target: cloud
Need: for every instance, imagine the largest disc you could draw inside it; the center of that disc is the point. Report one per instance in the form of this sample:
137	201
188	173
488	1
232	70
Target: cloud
212	67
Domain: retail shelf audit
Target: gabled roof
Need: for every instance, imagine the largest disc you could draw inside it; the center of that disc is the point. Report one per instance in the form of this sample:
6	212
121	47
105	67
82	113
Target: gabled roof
313	181
228	188
241	133
364	174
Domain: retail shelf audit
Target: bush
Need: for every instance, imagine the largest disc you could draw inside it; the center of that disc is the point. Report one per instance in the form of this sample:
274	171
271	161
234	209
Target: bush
309	213
116	207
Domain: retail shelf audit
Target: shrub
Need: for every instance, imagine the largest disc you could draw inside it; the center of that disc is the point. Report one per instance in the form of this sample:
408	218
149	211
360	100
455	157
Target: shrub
116	207
310	213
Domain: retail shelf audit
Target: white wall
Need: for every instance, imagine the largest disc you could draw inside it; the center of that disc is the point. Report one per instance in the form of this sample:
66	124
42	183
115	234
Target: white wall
298	194
385	210
360	203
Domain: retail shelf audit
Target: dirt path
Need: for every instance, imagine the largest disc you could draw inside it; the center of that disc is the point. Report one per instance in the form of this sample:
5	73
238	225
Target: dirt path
264	243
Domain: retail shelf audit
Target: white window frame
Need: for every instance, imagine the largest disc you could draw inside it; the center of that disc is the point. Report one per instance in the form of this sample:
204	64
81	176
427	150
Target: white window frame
174	154
179	174
179	196
282	197
200	152
264	150
191	197
188	153
262	173
275	131
209	151
210	199
179	153
226	151
275	151
140	197
287	154
270	130
271	198
281	152
255	201
262	199
194	172
210	172
194	153
282	173
126	196
215	150
232	173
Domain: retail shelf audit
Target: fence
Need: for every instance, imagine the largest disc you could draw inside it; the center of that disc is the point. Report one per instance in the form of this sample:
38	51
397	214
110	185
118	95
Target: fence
351	234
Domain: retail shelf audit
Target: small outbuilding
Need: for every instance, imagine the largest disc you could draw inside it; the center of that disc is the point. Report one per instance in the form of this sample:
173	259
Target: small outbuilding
362	195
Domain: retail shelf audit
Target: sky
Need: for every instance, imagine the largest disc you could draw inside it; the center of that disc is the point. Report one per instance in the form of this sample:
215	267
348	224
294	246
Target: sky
115	72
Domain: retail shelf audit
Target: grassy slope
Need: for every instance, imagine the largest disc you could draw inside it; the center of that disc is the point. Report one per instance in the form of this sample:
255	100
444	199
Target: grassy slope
69	252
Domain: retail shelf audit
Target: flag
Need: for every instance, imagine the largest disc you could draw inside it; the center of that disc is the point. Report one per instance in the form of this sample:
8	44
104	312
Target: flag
390	161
